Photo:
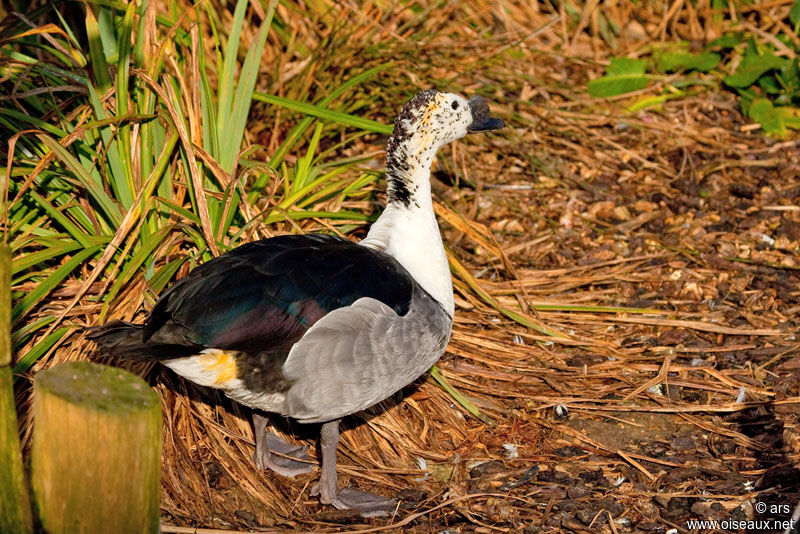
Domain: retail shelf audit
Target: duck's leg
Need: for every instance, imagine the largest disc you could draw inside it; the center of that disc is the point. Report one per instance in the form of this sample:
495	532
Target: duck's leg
327	488
268	443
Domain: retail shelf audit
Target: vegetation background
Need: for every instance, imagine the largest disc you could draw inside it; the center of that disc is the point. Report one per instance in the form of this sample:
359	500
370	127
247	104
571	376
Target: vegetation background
625	251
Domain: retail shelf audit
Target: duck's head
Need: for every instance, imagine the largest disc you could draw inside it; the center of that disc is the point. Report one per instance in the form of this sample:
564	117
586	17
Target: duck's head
433	119
427	122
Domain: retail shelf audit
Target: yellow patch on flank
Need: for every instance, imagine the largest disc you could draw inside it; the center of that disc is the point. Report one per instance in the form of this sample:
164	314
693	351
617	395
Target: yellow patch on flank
220	363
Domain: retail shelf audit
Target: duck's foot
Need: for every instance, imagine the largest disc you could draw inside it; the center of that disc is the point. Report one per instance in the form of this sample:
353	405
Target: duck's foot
275	454
367	504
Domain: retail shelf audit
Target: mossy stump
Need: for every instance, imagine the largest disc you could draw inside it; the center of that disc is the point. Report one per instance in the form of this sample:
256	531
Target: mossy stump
15	505
95	458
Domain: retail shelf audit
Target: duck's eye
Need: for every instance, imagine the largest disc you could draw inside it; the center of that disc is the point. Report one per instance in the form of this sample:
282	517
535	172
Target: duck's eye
455	104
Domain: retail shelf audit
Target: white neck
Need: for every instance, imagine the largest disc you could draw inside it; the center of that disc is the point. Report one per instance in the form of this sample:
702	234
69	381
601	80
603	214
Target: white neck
408	232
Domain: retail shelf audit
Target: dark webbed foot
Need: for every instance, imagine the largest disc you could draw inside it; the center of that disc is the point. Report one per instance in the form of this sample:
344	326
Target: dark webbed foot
368	504
344	498
275	454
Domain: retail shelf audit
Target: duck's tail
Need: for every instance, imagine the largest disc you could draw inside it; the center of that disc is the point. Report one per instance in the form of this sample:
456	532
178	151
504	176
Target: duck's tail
121	339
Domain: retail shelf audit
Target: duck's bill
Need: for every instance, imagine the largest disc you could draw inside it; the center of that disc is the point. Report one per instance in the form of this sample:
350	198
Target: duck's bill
487	125
481	120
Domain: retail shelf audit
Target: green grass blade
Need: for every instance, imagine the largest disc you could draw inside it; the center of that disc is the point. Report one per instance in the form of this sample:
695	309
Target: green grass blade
96	190
597	309
20	335
183	212
207	110
138	50
231	140
27	360
303	125
146	248
51	281
33	121
299	215
162	277
302	174
294	196
123	63
125	180
338	117
106	23
113	157
96	54
224	104
78	234
360	183
27	261
463	274
436	374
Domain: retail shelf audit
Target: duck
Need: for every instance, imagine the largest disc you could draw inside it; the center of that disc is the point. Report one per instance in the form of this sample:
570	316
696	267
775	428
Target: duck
316	327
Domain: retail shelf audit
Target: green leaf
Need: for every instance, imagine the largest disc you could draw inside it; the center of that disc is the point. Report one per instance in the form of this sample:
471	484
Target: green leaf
623	75
106	19
33	121
625	65
22	334
727	41
295	133
789	77
770	85
752	67
794	14
676	61
763	112
774	120
309	214
301	127
791	117
116	166
303	171
125	181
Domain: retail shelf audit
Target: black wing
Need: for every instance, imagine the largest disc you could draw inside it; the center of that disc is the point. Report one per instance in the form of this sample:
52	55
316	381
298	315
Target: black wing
263	296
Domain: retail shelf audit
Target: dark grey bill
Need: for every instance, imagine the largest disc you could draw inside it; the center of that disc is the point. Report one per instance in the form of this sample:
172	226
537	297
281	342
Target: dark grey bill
481	120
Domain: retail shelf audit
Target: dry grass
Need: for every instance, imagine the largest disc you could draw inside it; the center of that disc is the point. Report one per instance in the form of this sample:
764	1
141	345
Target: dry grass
682	406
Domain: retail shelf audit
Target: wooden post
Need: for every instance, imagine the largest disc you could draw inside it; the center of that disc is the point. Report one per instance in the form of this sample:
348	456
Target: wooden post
96	454
15	505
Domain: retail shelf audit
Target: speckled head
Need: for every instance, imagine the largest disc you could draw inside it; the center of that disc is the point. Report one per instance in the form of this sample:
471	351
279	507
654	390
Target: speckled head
427	122
437	118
